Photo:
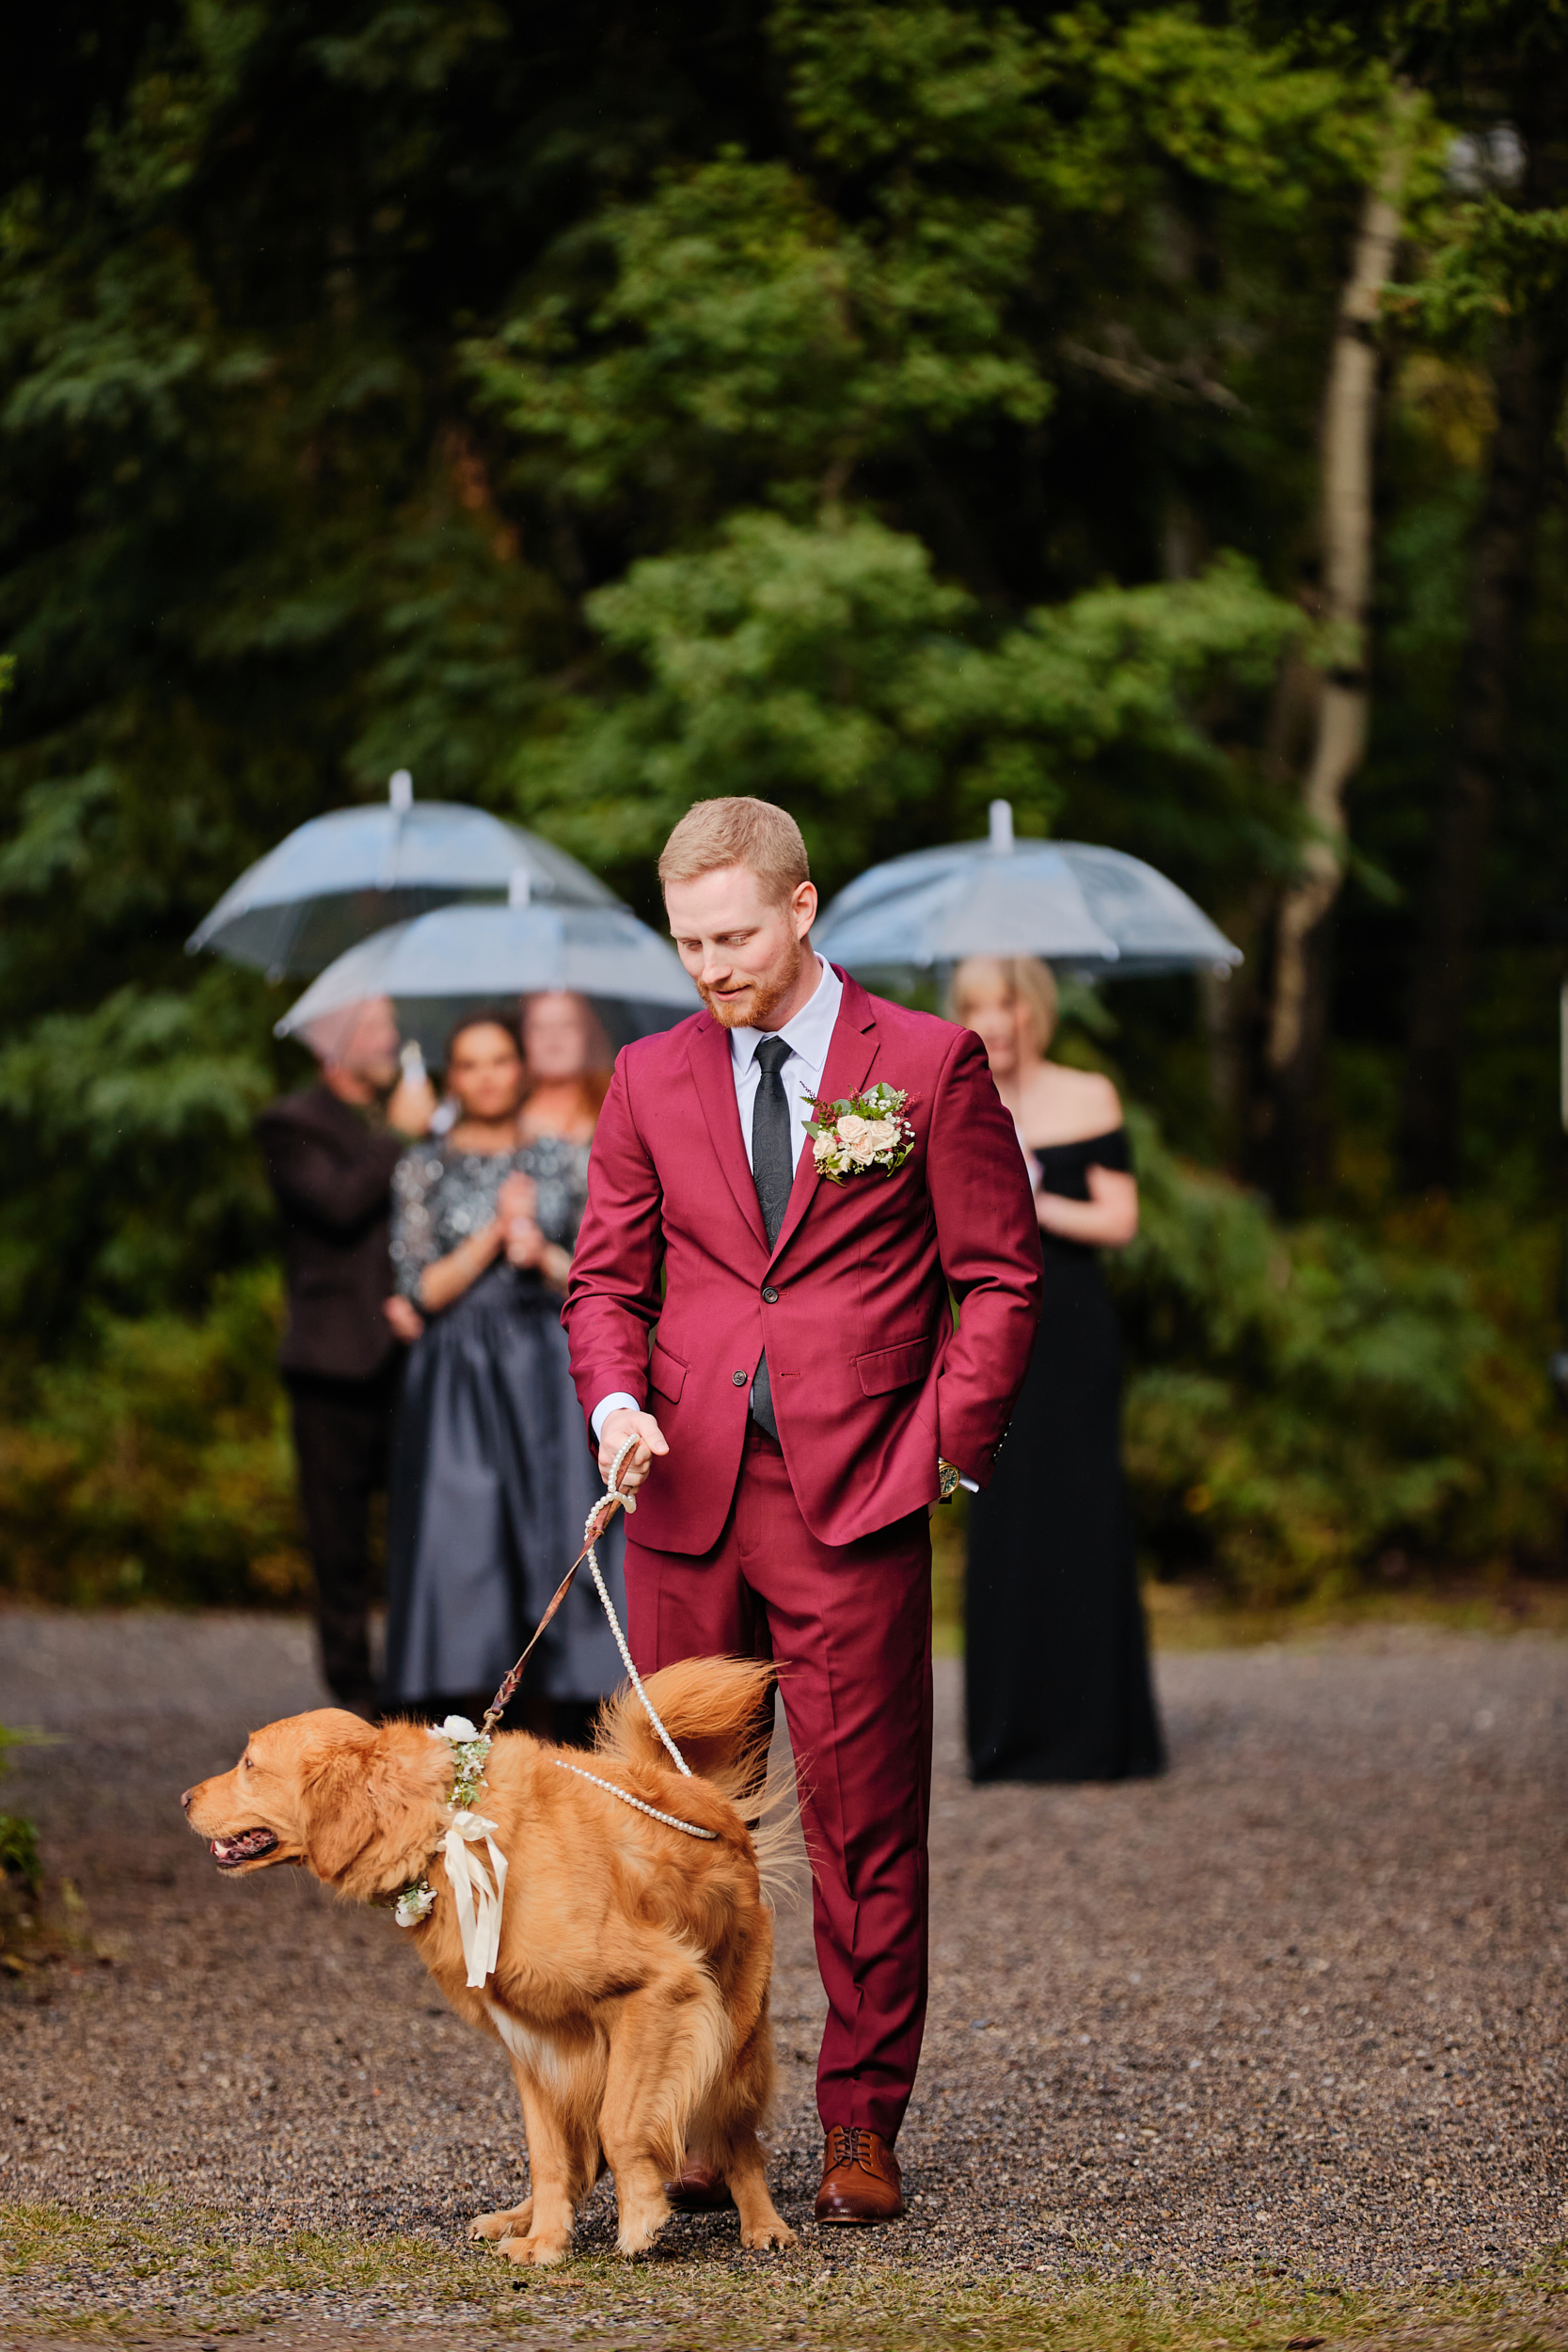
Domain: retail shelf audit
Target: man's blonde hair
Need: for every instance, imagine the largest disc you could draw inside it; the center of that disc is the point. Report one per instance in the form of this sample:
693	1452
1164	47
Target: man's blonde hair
737	832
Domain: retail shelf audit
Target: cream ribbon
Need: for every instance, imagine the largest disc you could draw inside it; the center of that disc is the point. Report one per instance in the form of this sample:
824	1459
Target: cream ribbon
478	1903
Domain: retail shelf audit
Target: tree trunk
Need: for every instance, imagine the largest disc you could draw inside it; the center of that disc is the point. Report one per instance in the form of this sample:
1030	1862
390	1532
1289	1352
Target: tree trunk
1297	1019
1529	386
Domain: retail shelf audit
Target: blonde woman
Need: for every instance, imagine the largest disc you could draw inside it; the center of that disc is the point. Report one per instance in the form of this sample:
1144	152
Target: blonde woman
1057	1667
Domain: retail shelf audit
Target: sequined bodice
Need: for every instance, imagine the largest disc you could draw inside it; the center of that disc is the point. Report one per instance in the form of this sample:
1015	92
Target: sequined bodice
439	1197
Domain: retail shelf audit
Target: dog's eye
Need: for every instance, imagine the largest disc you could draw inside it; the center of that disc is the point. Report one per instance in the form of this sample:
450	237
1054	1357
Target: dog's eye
249	1763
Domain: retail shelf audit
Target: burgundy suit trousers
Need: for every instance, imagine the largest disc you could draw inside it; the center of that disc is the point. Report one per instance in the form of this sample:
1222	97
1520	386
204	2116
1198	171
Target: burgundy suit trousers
851	1628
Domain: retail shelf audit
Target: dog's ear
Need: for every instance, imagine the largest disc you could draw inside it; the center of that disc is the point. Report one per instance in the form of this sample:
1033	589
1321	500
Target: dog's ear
340	1819
409	1784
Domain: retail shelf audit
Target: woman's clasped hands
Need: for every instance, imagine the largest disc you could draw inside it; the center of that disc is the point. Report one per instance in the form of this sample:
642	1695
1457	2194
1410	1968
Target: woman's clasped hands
516	1205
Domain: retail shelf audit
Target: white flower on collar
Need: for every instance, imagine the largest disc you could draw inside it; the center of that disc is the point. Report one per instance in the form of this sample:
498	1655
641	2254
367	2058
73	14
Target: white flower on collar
414	1904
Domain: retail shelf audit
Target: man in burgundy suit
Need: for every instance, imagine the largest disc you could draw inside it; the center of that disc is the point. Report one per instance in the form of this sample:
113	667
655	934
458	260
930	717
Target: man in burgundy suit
807	1398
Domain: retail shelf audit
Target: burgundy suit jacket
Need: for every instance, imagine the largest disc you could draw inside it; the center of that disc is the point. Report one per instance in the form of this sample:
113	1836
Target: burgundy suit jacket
871	1380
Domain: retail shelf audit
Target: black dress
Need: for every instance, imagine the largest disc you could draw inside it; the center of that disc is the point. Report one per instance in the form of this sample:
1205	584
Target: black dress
1055	1663
492	1472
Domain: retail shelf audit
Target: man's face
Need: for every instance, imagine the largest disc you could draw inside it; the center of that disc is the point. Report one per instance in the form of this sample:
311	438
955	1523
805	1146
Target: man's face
370	1051
745	952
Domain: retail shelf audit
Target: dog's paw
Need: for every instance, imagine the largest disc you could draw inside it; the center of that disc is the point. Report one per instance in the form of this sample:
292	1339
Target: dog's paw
637	2232
770	2232
542	2253
512	2224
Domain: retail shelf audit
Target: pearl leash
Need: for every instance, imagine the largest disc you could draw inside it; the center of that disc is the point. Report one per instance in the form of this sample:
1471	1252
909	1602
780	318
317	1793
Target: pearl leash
594	1526
478	1904
636	1803
613	1494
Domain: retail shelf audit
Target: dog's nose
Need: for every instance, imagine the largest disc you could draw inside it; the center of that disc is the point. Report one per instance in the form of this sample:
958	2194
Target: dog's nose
186	1799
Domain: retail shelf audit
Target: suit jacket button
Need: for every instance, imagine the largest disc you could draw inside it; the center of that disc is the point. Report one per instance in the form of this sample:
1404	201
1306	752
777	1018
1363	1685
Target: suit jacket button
771	1294
740	1379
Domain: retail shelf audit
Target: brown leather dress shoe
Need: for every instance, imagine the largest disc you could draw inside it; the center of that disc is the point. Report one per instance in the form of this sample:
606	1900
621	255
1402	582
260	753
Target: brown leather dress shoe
699	2189
861	2180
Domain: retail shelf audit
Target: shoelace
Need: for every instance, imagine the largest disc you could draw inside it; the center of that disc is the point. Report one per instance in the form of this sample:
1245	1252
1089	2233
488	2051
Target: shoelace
852	2145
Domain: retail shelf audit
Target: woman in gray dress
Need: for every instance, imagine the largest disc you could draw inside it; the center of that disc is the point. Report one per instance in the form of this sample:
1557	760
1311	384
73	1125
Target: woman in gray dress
492	1472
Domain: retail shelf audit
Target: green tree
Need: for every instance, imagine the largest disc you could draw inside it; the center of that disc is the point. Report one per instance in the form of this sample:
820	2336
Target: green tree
825	666
882	406
249	559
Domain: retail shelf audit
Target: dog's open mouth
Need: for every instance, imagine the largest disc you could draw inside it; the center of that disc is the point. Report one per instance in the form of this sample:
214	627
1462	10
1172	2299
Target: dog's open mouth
249	1846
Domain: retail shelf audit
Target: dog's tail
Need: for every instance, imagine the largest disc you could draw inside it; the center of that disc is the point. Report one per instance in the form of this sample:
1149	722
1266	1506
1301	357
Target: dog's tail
719	1711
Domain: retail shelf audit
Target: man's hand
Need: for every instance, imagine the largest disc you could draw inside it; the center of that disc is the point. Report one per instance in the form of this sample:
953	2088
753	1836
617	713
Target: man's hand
620	1425
411	1106
403	1317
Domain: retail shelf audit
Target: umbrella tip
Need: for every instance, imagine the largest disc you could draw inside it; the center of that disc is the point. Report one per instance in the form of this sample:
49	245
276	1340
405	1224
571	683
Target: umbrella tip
1001	813
400	790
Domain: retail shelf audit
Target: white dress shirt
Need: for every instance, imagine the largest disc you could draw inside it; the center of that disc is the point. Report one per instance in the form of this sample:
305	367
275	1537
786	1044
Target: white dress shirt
808	1034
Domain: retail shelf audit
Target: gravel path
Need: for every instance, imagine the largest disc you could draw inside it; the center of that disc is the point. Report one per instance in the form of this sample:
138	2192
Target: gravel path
1300	2004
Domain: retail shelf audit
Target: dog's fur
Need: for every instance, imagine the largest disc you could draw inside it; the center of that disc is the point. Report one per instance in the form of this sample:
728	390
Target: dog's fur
631	1988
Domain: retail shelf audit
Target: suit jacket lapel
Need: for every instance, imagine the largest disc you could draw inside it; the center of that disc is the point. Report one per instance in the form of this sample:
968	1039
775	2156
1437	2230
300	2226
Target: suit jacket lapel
852	1055
711	1068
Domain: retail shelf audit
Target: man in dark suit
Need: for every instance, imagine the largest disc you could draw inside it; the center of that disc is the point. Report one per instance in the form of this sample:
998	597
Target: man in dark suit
331	1151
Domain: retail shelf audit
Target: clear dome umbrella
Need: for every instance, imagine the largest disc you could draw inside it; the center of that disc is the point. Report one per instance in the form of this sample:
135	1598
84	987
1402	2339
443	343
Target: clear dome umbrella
1091	910
463	959
340	877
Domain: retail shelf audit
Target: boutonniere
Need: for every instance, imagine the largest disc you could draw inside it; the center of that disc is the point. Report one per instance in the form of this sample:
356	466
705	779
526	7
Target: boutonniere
866	1133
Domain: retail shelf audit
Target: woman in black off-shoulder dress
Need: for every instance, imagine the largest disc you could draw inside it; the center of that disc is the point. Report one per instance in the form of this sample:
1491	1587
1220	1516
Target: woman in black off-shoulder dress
1055	1663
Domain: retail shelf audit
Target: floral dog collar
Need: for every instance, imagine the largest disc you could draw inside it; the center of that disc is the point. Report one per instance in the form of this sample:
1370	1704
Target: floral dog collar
478	1898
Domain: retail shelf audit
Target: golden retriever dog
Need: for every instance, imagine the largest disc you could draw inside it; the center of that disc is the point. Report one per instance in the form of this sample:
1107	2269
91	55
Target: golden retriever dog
630	1992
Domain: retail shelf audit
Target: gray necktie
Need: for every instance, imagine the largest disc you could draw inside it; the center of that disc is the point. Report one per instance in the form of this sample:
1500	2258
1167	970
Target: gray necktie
773	1173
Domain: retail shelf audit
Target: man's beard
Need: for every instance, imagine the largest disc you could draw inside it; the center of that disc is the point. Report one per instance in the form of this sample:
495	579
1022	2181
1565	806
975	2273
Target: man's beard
755	1009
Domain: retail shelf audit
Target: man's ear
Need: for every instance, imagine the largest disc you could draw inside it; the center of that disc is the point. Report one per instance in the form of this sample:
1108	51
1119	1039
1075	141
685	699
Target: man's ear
340	1819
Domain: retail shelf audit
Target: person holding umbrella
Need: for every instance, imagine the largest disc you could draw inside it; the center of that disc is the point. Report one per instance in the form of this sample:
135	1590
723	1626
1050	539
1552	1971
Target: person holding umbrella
491	1479
331	1151
1056	1664
413	904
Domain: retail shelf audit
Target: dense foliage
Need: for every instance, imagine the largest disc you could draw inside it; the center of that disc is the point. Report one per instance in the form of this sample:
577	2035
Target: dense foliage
878	407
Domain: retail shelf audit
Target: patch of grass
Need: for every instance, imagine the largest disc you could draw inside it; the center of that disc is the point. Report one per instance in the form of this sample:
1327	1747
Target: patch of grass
1191	1617
1193	1614
949	1544
43	1917
199	2271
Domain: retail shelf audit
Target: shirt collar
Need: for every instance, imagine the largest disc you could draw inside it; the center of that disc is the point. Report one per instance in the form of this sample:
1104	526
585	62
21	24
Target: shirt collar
807	1033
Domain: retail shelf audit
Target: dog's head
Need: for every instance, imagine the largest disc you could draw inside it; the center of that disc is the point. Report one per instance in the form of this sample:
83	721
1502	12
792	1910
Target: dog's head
360	1807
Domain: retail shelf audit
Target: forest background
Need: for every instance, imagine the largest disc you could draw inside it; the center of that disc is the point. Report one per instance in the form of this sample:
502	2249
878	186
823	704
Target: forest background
1152	414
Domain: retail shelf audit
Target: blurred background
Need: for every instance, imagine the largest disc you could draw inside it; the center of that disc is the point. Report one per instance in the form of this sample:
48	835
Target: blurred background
1150	415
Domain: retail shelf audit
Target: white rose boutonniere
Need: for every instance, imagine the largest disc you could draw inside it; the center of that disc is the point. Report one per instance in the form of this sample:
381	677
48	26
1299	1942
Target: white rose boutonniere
864	1135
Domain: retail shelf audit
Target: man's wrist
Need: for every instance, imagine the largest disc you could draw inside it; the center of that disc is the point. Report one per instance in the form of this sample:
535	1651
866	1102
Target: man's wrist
618	1401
